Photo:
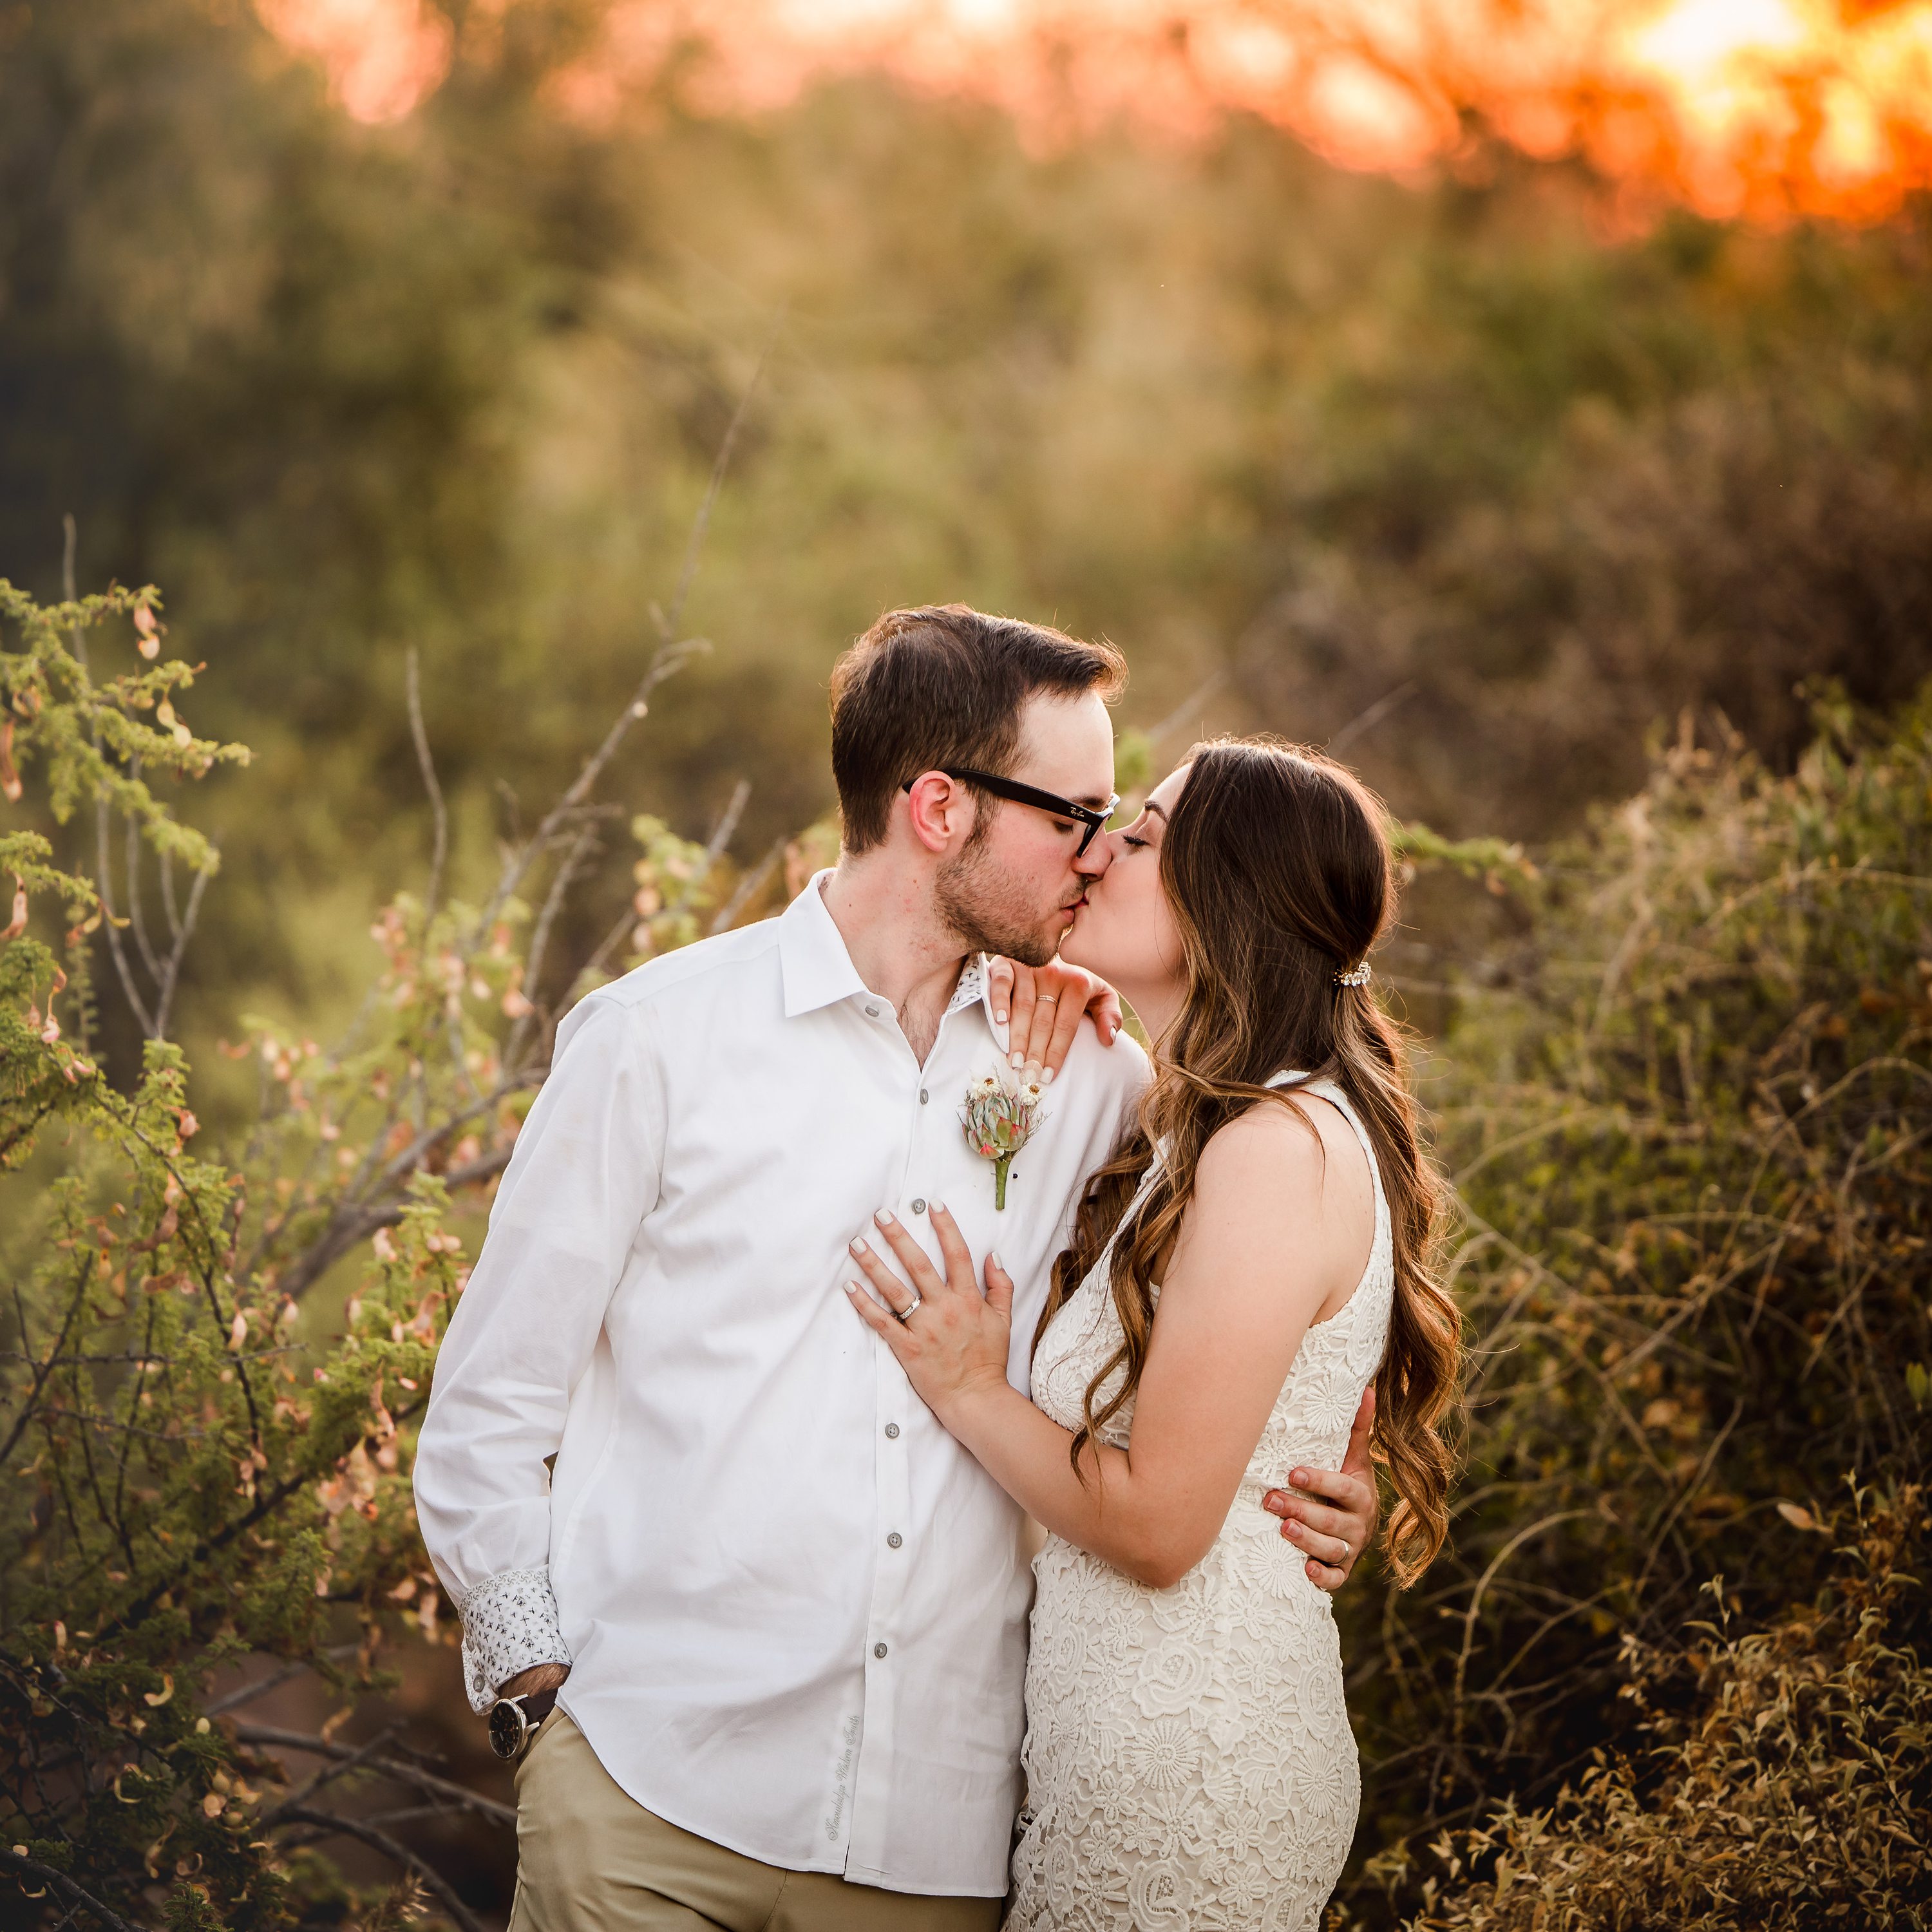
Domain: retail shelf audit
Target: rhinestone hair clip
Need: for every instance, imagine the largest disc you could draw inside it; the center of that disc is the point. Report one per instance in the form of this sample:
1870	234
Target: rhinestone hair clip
1356	976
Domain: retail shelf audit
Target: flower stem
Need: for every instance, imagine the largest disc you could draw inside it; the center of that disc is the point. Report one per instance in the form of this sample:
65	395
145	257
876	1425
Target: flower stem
999	1166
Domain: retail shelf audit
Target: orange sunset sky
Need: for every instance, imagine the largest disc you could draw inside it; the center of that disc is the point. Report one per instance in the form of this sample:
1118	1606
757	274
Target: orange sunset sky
1758	107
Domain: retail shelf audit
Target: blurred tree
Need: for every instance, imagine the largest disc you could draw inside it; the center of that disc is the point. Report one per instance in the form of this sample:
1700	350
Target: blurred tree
1418	470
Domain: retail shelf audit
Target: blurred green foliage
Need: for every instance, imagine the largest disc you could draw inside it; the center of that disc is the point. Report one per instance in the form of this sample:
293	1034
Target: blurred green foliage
1449	475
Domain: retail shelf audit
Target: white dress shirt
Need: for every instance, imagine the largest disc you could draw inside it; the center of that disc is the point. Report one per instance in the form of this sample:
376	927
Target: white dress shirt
793	1607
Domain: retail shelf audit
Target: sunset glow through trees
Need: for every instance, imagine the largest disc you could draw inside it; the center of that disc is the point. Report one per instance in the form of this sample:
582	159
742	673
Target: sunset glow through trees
1738	107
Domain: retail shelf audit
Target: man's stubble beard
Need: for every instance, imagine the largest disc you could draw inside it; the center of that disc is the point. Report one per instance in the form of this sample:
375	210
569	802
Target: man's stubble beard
988	908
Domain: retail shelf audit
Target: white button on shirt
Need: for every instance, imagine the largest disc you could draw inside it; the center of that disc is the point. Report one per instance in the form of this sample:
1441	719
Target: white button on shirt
794	1609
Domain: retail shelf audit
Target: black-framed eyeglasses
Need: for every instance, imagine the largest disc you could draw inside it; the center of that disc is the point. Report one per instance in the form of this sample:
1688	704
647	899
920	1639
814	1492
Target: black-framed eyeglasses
1093	817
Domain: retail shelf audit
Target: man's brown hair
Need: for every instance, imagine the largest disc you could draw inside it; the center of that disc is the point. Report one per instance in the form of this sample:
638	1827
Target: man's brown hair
944	684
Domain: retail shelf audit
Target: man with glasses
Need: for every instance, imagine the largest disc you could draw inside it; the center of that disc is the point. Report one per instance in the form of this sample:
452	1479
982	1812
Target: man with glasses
663	1470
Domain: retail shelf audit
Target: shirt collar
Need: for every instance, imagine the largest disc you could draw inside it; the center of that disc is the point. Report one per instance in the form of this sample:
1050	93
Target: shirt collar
817	970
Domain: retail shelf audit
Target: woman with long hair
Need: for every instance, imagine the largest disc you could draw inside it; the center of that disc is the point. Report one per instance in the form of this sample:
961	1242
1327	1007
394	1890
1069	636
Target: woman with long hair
1263	1247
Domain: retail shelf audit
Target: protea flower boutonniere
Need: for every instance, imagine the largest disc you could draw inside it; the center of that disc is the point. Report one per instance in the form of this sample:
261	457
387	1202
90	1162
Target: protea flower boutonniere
1002	1110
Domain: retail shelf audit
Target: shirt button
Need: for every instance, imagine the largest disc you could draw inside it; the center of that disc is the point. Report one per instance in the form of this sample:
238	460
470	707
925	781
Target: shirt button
923	1096
891	1432
893	1541
871	1013
918	1205
878	1650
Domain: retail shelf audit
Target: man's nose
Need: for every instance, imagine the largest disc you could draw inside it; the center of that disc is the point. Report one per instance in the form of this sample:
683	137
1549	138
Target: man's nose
1097	857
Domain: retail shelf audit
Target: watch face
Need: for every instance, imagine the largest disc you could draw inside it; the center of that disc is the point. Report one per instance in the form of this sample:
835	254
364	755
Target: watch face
506	1728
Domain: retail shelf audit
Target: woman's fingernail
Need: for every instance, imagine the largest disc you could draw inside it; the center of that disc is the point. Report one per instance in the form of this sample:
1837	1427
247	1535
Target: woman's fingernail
852	1289
884	1219
858	1246
1000	1016
994	1259
1016	1060
935	1207
1046	1077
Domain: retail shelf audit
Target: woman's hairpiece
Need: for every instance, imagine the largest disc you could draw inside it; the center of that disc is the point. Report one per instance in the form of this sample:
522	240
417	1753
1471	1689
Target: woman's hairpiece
1356	976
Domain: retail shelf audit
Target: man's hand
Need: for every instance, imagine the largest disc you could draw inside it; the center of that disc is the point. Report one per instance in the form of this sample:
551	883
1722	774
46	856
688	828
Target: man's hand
1333	1533
538	1677
1041	1007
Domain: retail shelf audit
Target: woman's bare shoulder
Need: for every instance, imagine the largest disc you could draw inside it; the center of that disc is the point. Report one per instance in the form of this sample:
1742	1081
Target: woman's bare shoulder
1282	1159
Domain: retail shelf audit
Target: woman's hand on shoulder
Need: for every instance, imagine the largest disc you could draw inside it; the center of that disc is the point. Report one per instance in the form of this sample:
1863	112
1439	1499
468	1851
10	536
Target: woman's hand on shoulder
1041	1007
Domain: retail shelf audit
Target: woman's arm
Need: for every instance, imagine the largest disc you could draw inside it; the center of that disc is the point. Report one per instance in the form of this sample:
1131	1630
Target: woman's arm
1276	1233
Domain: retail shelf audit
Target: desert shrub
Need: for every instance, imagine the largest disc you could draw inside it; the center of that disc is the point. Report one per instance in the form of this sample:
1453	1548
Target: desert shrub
1687	1113
194	1478
1783	1778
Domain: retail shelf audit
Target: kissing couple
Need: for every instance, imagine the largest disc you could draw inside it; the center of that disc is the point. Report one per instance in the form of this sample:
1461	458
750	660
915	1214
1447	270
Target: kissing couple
800	1298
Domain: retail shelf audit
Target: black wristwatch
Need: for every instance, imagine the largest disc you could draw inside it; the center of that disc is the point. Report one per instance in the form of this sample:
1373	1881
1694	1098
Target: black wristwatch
514	1720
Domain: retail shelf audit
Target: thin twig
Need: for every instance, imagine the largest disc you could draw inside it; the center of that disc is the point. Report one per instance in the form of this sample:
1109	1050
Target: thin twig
749	886
247	1693
427	764
694	544
184	932
1367	721
74	1896
327	1773
1179	715
398	1853
399	1769
672	655
133	868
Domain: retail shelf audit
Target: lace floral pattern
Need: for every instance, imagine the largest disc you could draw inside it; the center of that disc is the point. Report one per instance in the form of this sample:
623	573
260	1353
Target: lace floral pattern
509	1623
1189	1764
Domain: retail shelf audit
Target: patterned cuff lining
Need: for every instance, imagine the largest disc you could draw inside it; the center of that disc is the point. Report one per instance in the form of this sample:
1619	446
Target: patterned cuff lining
509	1623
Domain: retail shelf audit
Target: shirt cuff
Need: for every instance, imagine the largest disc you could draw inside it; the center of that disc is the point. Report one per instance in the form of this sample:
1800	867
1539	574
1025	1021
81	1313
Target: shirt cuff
509	1622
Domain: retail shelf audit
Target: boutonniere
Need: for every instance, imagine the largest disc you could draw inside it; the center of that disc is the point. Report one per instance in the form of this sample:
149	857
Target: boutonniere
1002	1110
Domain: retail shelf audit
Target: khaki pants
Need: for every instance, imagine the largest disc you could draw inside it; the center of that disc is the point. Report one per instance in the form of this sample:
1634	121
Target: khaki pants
591	1859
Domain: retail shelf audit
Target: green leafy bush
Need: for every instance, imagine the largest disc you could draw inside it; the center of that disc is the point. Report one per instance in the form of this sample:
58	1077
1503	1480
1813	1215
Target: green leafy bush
191	1480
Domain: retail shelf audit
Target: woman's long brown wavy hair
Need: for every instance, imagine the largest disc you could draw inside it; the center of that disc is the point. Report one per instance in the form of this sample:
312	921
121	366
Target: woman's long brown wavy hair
1277	869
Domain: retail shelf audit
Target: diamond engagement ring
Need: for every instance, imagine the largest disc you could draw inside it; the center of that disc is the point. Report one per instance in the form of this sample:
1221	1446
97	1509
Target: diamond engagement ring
904	1315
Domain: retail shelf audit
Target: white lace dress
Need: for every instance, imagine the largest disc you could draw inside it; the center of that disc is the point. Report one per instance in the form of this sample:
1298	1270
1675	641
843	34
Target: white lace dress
1188	1761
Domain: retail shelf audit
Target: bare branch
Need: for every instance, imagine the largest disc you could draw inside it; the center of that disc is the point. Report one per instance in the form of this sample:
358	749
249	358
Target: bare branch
749	886
694	544
183	931
722	836
327	1773
342	1234
400	1854
1176	719
427	764
133	869
1367	721
247	1693
110	923
581	848
74	1896
672	655
400	1769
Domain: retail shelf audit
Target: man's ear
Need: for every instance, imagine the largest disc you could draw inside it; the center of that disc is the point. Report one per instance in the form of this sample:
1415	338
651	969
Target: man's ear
939	810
